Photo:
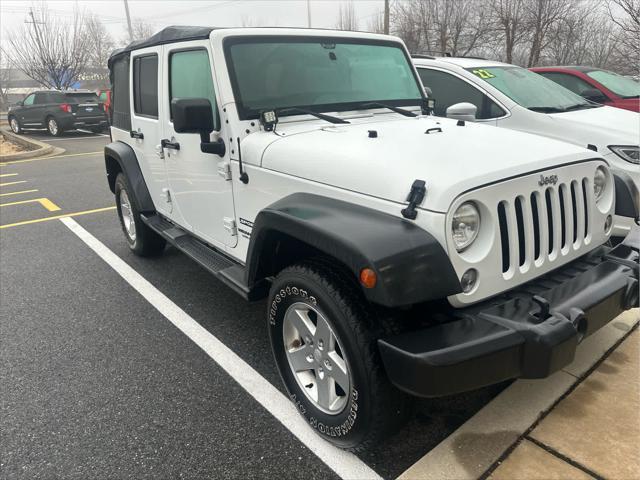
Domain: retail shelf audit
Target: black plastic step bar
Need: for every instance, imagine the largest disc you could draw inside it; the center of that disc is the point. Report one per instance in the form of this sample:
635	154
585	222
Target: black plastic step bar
222	267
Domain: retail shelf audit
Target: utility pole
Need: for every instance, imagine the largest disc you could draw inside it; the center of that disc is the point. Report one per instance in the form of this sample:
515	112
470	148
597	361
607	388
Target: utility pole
309	13
386	17
126	9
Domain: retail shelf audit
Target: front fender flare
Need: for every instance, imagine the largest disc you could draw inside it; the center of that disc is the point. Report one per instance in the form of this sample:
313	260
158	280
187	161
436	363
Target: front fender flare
411	265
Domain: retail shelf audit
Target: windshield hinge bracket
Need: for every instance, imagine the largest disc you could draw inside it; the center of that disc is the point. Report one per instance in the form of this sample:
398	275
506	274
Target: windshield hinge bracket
415	198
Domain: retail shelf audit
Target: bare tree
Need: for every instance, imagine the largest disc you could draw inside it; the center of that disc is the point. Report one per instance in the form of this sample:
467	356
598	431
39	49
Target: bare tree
140	30
625	14
5	78
376	23
542	16
101	45
52	52
509	16
347	17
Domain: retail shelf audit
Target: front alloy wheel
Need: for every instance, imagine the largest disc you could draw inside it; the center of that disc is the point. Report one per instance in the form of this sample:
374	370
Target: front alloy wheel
316	358
129	225
324	335
15	125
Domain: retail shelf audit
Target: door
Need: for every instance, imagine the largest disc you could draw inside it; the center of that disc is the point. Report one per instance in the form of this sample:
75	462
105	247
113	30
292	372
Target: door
26	113
198	182
146	128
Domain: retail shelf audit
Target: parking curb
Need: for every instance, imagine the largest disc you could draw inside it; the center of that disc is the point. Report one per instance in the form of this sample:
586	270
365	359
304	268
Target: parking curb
473	450
37	148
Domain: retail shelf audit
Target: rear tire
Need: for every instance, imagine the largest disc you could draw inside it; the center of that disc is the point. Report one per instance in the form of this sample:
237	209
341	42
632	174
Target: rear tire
314	300
15	125
53	127
141	239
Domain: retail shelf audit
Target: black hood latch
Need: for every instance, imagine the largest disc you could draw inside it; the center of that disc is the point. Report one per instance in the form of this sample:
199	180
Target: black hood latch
415	198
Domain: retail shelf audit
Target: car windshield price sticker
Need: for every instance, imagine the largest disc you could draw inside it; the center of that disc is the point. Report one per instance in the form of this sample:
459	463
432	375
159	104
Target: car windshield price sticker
484	74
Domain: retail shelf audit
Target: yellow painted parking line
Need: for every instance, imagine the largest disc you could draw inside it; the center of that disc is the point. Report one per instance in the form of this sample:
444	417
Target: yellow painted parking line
17	193
8	175
12	183
52	157
45	202
56	217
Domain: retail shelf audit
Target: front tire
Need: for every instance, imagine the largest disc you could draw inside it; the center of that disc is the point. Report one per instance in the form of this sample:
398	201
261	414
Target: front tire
15	125
53	127
141	239
323	334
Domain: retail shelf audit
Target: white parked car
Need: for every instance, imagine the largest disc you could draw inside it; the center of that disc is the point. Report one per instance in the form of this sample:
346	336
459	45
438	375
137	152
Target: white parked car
302	167
508	96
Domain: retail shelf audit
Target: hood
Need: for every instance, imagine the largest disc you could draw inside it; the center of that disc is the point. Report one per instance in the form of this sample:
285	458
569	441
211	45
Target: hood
383	158
600	126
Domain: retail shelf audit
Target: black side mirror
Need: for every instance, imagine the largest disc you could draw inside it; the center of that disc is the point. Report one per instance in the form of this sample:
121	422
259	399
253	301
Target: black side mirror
195	115
594	95
19	103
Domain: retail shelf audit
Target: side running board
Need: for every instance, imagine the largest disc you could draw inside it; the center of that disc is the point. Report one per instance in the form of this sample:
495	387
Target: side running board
222	267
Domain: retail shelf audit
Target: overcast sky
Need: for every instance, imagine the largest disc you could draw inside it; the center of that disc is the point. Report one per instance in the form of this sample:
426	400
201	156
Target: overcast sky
220	13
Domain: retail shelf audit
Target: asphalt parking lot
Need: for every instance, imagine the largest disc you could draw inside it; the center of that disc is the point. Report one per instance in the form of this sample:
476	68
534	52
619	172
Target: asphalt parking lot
97	383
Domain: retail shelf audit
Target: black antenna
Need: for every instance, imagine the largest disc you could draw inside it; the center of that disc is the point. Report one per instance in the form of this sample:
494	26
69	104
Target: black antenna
244	178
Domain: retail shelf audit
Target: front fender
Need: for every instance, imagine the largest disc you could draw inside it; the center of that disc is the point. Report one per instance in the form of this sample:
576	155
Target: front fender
411	265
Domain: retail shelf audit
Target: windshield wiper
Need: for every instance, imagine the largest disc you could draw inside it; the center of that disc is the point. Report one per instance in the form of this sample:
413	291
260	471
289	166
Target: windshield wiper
631	96
321	116
399	110
580	106
546	109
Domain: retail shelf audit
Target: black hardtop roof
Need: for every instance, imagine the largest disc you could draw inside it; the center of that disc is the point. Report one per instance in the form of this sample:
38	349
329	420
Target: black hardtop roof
166	35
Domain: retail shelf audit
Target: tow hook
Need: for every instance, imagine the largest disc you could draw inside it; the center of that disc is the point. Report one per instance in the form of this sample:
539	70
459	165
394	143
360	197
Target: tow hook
579	321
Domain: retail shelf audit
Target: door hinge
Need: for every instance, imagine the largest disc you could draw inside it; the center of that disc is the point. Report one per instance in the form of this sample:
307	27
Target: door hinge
230	226
224	170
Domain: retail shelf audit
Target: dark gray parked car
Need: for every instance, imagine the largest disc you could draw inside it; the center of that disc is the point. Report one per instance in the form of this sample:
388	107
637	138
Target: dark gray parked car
57	111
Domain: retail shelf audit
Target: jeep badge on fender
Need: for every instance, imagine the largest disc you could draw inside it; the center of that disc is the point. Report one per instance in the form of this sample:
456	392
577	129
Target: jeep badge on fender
255	157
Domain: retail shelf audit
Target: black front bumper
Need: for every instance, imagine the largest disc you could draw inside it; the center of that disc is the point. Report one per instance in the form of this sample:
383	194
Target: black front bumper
530	332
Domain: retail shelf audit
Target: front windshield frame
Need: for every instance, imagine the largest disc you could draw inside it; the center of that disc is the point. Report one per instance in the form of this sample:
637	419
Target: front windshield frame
573	98
246	113
608	86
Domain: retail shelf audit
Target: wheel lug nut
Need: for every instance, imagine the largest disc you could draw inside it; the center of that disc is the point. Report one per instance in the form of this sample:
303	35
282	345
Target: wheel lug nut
320	344
327	364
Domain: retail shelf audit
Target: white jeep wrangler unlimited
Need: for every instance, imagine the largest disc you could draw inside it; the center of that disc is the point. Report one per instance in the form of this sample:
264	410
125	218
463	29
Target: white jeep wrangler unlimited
401	254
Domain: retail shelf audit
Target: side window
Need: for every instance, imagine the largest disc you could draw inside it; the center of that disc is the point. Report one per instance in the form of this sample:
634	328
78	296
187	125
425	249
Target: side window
448	90
145	85
29	100
190	77
103	96
120	108
573	83
40	98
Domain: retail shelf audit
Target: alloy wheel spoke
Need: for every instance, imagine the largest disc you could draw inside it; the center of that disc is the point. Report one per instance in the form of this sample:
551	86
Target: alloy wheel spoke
323	334
326	391
300	320
339	371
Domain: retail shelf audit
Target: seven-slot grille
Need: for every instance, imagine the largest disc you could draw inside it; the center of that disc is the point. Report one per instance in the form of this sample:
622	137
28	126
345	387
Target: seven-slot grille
543	225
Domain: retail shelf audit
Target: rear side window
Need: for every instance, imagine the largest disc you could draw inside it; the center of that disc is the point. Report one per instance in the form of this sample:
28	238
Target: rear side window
120	109
190	77
448	90
40	98
145	85
573	83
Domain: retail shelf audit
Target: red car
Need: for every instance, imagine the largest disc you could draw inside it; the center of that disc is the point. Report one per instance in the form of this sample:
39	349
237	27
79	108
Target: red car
600	86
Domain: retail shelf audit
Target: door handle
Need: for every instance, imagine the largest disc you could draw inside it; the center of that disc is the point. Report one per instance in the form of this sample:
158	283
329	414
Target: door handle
139	135
167	144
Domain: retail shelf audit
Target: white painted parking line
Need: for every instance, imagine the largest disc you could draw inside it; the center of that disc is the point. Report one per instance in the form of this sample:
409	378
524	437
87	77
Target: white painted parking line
345	464
97	134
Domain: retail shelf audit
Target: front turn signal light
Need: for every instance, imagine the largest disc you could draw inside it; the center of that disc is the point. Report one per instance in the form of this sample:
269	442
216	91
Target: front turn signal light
368	278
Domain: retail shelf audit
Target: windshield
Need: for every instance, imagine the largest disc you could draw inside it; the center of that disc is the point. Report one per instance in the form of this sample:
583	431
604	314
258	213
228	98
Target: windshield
531	90
623	86
318	74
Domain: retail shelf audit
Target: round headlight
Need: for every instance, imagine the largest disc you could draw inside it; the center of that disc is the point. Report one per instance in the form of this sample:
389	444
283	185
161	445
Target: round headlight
465	225
599	182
